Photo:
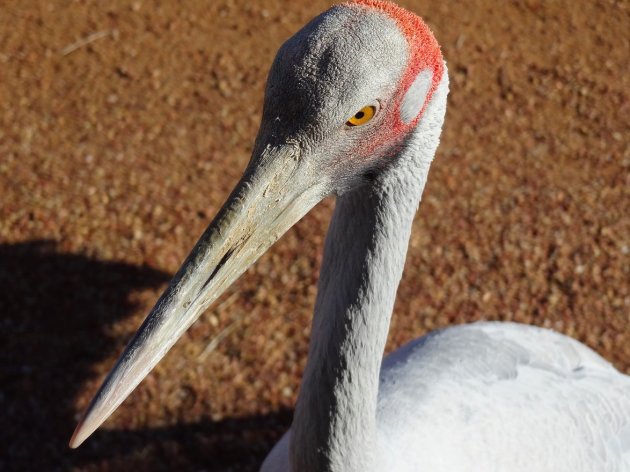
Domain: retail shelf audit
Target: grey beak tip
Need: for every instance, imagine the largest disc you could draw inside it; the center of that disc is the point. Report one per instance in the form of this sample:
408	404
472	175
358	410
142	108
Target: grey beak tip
79	435
75	441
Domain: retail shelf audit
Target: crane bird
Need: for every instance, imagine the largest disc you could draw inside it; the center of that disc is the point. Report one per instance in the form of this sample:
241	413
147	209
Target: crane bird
354	107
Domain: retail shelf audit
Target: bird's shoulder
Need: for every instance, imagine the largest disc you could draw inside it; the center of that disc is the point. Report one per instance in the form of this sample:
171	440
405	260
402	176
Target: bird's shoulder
494	349
533	394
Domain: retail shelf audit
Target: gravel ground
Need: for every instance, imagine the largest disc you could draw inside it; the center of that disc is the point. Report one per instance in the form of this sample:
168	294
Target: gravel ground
123	126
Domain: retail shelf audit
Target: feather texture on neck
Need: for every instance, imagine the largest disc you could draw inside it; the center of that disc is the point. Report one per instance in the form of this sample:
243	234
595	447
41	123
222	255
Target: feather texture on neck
335	420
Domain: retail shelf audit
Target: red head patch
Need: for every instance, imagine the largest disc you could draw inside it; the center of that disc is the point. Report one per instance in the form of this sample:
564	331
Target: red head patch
424	52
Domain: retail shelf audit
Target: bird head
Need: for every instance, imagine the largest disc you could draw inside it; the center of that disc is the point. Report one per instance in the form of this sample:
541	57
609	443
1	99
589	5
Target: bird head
349	87
342	95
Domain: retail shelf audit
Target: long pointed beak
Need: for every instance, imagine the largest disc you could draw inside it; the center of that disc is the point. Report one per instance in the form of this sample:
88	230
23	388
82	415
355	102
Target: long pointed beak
275	192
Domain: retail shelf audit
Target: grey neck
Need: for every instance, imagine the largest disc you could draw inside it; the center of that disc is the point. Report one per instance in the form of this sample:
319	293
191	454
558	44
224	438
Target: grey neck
334	428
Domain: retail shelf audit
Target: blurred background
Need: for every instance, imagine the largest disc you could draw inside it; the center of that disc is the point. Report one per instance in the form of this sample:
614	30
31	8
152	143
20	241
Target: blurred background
124	125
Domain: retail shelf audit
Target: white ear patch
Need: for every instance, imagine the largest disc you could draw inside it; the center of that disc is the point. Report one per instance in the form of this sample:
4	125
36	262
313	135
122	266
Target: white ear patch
416	95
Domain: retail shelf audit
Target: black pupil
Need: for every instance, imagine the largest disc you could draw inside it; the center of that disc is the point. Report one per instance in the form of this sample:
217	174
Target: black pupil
359	115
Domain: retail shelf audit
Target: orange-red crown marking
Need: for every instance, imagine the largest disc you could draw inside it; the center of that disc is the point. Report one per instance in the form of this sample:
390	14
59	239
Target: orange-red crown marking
424	50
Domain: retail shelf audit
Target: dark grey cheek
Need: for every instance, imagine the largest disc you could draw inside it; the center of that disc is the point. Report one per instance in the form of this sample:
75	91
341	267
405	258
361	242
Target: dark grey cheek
353	168
370	175
367	162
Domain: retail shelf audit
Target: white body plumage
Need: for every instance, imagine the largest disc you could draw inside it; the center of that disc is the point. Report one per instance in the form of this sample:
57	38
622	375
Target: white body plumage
497	397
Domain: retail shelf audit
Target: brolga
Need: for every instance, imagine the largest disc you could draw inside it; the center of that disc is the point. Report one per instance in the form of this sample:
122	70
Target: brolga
354	107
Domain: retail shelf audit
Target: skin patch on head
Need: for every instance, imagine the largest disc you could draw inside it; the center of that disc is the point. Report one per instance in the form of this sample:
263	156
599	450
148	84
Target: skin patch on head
413	101
424	55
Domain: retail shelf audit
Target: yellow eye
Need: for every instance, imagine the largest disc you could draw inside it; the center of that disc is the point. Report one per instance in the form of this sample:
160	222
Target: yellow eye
361	117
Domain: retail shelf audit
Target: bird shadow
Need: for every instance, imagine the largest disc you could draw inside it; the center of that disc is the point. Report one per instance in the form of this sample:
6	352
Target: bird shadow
57	311
233	444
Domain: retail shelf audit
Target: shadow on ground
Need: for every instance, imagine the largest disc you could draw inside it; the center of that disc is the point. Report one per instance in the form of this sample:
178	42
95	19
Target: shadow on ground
235	444
56	311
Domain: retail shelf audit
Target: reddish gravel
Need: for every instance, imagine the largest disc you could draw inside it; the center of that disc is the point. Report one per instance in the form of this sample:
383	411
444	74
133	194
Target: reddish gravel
115	154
